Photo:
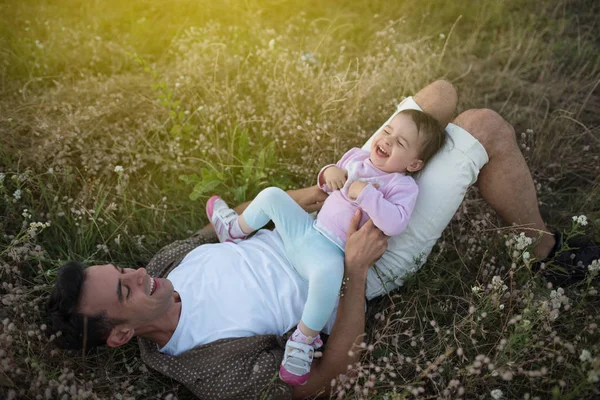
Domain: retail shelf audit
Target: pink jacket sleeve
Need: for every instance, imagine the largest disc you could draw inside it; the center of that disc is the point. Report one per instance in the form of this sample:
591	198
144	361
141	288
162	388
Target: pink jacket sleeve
390	214
350	154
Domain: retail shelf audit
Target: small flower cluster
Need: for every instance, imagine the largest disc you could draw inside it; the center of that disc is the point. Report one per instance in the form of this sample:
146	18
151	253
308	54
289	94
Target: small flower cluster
591	365
498	284
580	220
594	267
519	245
35	227
558	299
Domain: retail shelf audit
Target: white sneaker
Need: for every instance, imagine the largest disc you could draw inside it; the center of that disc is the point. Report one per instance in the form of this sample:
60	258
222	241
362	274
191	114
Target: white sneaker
297	359
221	217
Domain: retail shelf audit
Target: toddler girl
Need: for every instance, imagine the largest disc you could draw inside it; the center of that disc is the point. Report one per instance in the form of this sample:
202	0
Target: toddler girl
377	182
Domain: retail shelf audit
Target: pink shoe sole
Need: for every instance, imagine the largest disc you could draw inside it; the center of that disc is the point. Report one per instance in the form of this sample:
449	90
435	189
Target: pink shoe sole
290	378
210	205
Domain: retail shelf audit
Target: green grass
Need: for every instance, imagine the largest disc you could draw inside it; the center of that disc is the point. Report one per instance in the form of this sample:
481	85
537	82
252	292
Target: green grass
186	95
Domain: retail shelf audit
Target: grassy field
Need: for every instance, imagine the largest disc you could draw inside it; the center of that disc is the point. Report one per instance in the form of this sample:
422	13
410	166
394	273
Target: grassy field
118	119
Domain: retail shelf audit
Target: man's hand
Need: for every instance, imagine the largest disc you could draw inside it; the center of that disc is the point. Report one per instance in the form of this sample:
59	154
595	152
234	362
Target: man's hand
335	177
364	246
310	199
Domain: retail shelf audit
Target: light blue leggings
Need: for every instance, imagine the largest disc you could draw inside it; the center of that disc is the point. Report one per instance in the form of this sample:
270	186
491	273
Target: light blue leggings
315	257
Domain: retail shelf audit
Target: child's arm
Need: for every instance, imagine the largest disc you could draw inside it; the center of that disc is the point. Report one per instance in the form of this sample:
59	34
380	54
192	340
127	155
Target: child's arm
390	214
333	176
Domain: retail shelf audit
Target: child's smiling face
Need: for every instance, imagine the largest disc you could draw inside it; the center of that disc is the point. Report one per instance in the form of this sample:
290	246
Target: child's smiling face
397	147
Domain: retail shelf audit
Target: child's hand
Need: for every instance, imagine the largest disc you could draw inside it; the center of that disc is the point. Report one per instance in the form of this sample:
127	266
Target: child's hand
356	187
335	177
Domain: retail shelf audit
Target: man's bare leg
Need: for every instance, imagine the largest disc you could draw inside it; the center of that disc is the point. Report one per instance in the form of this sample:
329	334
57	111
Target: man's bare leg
505	182
439	100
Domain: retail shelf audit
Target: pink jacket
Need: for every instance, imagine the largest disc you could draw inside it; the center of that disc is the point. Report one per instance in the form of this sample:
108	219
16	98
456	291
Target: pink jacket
389	206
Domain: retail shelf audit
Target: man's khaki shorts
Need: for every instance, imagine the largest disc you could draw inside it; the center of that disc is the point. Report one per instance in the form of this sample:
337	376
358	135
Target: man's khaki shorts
442	186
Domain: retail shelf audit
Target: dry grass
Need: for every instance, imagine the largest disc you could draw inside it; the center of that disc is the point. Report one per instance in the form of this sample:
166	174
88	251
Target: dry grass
171	89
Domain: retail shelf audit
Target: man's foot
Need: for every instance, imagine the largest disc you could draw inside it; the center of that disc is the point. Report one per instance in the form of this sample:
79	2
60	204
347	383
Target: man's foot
295	367
222	217
566	267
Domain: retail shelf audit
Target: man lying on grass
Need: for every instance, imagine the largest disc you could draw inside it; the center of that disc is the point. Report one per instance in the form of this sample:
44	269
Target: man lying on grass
216	322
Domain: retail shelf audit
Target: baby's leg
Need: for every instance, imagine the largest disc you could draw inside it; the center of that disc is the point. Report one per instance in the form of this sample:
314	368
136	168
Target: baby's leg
274	204
322	264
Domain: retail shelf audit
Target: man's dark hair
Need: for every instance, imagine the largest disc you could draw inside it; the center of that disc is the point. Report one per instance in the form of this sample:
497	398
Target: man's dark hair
77	330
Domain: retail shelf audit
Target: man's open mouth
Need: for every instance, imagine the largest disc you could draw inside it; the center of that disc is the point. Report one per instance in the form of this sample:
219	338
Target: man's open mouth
153	286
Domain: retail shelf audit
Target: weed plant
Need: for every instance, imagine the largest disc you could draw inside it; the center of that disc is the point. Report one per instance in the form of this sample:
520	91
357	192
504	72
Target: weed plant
119	119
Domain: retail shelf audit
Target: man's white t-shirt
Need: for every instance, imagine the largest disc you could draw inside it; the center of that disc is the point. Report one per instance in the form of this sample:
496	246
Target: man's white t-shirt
237	290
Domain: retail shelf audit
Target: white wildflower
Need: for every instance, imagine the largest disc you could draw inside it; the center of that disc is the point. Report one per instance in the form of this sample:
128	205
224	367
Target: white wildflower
309	58
496	394
558	299
594	267
139	240
580	220
17	194
102	247
119	169
585	356
555	300
498	284
35	227
271	44
442	36
526	255
523	241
